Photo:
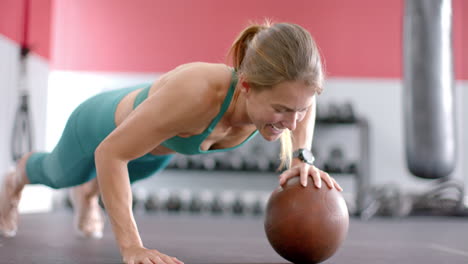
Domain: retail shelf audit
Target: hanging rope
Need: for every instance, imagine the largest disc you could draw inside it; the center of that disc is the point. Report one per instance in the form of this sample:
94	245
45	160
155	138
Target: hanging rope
22	133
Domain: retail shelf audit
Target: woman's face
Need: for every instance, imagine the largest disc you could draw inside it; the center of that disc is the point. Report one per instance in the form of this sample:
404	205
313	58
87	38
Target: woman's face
282	107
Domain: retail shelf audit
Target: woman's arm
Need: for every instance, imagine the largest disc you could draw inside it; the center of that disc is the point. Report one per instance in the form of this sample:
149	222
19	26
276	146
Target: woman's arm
304	132
302	138
164	114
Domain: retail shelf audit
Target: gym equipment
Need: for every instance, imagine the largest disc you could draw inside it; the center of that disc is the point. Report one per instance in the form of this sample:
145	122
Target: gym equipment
174	203
429	88
216	205
22	136
347	114
152	203
196	204
238	207
336	161
306	224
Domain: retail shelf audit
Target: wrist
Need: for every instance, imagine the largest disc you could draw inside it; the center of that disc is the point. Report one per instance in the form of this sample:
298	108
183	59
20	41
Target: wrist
128	244
303	155
128	248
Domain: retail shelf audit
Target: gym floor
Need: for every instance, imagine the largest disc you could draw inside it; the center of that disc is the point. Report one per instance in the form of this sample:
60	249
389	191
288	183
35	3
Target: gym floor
49	238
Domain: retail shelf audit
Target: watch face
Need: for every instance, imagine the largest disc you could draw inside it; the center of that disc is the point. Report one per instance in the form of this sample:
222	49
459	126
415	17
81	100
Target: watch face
304	155
308	156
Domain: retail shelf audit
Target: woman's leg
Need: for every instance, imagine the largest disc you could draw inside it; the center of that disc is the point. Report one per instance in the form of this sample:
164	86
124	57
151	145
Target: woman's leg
10	195
88	220
69	164
66	166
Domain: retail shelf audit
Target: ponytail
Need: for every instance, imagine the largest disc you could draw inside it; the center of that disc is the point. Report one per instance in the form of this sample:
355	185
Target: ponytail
240	45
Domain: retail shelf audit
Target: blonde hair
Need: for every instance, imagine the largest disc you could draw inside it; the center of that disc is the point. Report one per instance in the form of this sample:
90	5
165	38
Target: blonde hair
268	54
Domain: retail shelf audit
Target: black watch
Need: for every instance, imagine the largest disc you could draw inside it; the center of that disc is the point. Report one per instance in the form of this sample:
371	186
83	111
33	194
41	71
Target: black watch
304	155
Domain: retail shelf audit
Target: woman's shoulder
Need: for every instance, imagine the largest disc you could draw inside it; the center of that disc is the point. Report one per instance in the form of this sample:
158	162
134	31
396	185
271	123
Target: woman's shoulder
209	82
195	92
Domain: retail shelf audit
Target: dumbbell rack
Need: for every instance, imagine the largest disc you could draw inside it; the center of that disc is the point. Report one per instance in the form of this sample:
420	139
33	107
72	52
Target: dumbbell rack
361	172
247	162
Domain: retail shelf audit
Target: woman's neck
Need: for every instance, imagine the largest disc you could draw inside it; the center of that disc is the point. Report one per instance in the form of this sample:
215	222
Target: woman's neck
237	112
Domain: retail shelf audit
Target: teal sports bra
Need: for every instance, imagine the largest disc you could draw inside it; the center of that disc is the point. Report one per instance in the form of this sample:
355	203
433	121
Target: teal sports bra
191	145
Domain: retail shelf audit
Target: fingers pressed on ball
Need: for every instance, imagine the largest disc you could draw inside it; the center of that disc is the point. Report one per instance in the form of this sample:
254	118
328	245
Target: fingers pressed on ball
316	177
337	186
285	176
328	179
304	176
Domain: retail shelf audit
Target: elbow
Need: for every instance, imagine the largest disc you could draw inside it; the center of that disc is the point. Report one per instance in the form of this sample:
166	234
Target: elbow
99	152
104	154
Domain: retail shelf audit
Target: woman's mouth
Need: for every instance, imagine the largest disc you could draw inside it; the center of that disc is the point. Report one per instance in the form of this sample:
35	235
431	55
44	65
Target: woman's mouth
274	130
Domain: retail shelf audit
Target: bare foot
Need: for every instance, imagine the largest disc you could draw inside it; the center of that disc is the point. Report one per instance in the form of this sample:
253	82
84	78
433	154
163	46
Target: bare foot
88	218
10	195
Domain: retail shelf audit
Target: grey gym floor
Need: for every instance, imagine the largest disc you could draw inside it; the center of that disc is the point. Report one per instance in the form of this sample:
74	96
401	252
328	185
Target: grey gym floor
49	238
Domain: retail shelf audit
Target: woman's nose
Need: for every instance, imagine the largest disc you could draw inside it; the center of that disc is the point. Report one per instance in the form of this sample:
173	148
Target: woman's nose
290	121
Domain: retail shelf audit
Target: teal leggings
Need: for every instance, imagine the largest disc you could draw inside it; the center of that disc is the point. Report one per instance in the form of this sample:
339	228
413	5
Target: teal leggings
71	162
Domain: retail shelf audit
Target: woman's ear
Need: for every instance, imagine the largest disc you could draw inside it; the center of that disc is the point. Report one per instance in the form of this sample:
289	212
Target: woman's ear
245	86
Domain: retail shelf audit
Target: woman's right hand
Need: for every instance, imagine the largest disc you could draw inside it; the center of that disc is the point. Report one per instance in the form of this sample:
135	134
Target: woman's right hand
141	255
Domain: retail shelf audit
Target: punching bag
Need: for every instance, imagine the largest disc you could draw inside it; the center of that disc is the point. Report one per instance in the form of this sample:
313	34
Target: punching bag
428	84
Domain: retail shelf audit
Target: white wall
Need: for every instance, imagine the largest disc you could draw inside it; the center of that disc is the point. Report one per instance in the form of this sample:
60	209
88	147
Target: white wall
68	89
381	102
8	77
38	72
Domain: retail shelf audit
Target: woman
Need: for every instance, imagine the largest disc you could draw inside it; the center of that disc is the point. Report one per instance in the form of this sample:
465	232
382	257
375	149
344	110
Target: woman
121	136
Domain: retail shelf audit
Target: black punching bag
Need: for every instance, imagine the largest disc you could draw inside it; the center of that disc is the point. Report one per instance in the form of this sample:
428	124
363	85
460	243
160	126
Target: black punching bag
429	107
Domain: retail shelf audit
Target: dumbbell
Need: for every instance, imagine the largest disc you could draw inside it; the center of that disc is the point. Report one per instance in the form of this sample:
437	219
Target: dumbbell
352	168
174	203
236	161
263	163
208	163
347	113
157	200
195	162
196	204
250	163
238	206
181	162
257	208
152	203
333	114
217	205
335	162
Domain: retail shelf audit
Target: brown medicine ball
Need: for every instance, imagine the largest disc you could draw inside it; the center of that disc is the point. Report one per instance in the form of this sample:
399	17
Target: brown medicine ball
306	224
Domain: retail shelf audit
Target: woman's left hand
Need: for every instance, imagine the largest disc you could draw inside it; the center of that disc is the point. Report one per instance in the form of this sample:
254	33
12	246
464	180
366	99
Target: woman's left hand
305	170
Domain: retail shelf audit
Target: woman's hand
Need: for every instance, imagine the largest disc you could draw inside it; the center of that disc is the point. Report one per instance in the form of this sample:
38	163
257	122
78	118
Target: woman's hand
305	170
141	255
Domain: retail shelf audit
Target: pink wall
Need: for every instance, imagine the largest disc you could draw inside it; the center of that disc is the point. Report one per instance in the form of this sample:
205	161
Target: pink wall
11	23
462	37
146	35
359	38
460	24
